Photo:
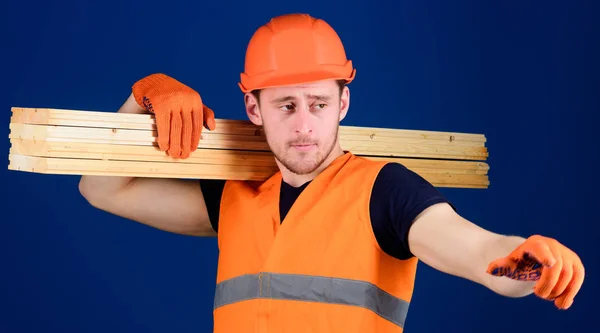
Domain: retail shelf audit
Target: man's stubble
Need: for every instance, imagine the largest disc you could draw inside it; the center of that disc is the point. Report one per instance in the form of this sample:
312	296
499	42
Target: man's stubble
302	167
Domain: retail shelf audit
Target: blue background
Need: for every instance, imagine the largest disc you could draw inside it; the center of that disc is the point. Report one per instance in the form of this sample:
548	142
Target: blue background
525	74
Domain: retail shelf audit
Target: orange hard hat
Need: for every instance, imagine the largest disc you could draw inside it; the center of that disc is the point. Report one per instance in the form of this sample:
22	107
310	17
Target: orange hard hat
294	49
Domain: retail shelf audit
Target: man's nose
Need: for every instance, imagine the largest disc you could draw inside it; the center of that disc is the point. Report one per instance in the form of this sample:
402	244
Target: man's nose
303	121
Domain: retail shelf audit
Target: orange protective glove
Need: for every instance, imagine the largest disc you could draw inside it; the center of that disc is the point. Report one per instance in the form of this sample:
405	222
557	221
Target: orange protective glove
179	113
558	270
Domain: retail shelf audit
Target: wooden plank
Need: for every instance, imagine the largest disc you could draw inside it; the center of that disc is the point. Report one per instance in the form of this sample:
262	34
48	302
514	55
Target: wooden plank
79	118
398	148
79	150
68	166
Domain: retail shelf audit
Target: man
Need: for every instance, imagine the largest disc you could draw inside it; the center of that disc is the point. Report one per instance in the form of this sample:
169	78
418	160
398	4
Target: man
330	243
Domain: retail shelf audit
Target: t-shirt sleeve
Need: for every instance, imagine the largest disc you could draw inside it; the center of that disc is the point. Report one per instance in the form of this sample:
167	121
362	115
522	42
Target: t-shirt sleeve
212	191
398	196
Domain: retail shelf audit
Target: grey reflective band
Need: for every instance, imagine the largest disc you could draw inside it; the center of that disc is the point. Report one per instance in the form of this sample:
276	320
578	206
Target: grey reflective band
312	289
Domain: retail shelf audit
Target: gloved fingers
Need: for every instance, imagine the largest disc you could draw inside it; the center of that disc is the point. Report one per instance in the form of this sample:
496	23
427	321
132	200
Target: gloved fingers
186	133
196	115
163	128
565	300
501	267
175	137
563	303
209	118
564	279
538	250
548	280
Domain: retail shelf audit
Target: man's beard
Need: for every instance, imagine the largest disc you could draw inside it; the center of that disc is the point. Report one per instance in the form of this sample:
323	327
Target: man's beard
302	166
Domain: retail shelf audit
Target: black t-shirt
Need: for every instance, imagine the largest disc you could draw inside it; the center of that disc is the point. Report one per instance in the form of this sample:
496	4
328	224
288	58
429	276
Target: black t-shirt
398	196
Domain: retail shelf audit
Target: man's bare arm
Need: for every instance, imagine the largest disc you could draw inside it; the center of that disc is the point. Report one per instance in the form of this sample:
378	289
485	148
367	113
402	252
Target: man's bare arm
171	205
451	244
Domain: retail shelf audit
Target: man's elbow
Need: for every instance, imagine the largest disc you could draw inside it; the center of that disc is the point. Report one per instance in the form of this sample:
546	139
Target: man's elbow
92	192
85	189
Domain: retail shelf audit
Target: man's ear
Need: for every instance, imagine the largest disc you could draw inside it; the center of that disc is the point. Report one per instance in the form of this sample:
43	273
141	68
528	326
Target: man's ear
344	102
252	109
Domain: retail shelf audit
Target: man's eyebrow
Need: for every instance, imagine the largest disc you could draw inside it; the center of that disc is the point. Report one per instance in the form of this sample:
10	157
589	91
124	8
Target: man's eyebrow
324	98
283	99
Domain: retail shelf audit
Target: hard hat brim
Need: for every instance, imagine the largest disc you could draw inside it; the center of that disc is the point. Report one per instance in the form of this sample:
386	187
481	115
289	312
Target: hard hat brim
248	84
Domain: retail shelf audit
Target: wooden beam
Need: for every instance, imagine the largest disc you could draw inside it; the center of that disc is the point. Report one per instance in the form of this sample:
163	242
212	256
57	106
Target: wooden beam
75	142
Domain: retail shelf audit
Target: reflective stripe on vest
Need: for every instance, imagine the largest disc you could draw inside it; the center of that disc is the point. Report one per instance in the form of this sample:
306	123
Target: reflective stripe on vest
312	288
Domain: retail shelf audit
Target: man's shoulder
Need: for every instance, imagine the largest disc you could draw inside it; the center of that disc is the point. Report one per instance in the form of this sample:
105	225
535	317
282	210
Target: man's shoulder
395	172
397	178
358	164
382	171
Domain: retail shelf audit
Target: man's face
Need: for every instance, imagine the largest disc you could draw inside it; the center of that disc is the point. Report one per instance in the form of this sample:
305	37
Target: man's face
301	122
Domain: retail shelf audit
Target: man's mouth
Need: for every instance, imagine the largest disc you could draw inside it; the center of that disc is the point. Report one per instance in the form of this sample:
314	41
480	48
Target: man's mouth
304	146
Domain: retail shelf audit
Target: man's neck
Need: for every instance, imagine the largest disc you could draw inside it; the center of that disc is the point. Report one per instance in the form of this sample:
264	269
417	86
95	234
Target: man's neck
296	180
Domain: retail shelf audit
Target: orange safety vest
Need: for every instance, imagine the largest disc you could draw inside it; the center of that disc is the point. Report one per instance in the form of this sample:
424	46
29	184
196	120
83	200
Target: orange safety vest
320	271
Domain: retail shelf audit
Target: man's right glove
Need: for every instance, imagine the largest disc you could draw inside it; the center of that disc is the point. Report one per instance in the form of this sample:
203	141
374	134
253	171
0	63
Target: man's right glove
558	270
179	112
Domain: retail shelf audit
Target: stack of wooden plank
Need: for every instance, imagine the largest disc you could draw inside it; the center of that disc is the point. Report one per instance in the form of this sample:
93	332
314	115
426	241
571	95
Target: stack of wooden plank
77	142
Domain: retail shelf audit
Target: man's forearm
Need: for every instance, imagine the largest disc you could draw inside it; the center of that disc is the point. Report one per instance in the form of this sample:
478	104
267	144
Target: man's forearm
500	247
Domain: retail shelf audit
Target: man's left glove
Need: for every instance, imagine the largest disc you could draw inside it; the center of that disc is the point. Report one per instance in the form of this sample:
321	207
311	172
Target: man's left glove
179	112
558	271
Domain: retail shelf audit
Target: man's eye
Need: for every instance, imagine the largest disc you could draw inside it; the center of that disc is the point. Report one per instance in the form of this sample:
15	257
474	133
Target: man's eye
287	107
321	106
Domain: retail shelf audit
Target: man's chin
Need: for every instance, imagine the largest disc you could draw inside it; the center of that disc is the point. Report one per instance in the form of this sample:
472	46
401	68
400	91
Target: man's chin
301	164
305	169
302	167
